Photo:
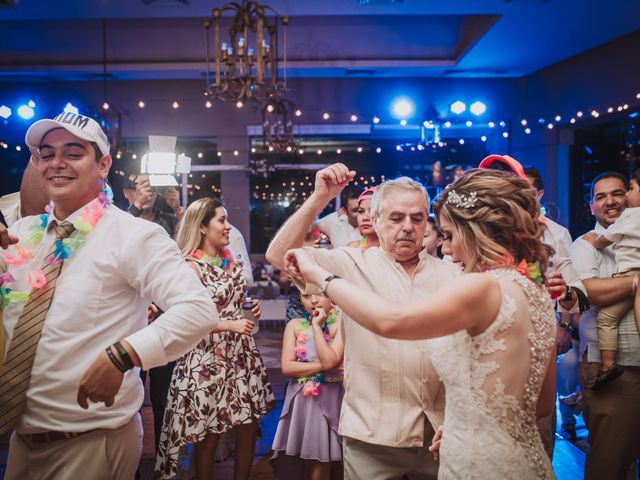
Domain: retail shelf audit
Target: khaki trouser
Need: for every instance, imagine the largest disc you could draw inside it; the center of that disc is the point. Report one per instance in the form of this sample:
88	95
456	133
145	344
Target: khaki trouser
609	317
613	419
98	455
367	461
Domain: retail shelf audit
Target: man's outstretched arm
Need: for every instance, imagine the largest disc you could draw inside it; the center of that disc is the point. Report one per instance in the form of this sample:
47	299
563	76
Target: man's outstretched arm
329	183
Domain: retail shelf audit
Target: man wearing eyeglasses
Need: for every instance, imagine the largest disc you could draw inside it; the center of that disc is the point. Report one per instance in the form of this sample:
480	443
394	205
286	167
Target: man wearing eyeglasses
77	286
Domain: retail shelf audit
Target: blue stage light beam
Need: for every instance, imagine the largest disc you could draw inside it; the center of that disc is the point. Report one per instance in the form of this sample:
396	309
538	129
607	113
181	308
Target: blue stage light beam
26	112
403	108
5	112
458	107
478	108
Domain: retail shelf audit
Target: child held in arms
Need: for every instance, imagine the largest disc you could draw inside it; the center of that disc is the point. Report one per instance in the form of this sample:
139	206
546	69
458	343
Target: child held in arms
624	235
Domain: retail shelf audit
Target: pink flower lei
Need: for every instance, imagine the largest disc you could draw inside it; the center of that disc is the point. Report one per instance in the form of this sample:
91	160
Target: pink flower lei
225	260
312	383
22	252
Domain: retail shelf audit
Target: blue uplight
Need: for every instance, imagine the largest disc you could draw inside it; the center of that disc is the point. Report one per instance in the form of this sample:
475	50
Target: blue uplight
478	108
403	107
458	107
26	112
5	112
69	108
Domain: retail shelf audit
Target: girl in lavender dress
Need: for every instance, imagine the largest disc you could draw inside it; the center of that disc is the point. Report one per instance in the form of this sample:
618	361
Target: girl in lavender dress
307	440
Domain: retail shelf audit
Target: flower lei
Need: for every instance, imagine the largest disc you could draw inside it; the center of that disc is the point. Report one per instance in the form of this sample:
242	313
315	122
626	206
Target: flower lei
313	382
21	254
224	261
364	245
530	270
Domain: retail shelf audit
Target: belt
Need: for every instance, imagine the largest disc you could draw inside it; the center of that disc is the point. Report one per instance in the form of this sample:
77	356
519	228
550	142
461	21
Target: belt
48	437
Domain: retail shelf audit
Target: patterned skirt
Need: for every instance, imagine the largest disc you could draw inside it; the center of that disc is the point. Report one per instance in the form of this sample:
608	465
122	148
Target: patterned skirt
219	384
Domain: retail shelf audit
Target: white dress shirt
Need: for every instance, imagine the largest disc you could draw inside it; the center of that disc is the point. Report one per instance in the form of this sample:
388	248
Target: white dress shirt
10	208
239	248
625	235
556	237
101	297
338	229
593	263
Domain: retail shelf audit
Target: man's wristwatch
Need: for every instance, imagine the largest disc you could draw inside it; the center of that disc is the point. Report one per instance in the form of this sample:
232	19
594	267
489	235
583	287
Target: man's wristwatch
326	283
135	211
570	293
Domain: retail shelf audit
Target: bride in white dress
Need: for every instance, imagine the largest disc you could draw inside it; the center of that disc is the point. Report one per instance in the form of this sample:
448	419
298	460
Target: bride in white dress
492	329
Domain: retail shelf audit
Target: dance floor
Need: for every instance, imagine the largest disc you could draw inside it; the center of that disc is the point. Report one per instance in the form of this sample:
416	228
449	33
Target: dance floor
568	460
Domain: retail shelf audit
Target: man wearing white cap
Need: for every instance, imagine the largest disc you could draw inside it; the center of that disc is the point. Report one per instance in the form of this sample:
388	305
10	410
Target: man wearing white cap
76	289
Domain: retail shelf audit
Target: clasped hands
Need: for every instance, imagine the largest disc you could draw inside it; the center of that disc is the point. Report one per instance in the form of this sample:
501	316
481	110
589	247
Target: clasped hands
303	267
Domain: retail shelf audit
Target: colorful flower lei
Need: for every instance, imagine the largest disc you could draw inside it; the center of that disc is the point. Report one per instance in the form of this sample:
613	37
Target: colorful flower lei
224	261
312	383
20	255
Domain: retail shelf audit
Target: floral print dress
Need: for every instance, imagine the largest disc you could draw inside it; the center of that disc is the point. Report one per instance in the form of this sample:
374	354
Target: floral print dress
222	382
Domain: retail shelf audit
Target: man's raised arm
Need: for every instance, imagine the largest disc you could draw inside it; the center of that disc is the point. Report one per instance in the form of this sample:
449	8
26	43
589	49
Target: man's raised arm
329	183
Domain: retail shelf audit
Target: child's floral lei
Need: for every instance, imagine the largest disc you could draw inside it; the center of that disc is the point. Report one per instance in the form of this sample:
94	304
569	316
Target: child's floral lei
312	383
224	261
22	252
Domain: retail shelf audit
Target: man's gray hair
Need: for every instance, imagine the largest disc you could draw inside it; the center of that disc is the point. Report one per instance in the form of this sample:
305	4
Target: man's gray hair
387	188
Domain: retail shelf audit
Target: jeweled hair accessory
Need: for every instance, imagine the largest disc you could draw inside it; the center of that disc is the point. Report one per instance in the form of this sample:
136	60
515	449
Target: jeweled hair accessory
462	201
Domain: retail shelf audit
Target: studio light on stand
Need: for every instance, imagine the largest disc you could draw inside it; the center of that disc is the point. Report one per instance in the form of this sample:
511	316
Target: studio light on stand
162	163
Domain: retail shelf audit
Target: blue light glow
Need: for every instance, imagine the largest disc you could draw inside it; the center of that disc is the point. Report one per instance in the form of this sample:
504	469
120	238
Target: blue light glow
26	112
5	112
69	108
31	104
478	108
403	107
458	107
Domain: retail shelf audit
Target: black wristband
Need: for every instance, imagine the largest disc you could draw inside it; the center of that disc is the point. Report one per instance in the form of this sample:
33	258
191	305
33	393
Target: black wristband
124	356
135	211
115	361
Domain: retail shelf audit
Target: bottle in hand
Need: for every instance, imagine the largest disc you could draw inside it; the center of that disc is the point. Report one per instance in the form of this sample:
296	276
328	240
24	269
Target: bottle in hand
247	312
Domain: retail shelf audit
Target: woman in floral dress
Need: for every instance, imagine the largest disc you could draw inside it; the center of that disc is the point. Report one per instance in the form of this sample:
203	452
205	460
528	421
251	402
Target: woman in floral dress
222	383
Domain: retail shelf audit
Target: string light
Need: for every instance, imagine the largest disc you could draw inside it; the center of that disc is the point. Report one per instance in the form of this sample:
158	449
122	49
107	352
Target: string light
208	104
141	104
175	104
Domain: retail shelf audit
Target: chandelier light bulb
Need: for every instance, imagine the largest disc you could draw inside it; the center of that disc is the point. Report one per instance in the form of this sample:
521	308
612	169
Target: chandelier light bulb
319	151
236	153
573	120
491	124
326	116
105	106
300	151
298	112
208	104
527	130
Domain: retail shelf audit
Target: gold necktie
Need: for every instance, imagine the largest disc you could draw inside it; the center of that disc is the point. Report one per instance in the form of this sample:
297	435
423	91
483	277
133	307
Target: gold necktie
15	373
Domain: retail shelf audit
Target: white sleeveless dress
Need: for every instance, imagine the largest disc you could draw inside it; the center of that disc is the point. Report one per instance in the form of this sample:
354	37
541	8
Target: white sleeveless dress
492	384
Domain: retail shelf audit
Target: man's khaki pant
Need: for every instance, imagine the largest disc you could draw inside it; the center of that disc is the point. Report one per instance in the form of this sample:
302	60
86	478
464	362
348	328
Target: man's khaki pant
98	455
366	461
612	415
609	317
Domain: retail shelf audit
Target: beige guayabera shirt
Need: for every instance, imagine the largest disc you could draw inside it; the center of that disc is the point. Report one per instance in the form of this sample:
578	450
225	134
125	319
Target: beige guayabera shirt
390	385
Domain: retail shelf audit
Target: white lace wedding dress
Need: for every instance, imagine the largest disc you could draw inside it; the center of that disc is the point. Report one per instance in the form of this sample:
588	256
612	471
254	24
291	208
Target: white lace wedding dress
492	384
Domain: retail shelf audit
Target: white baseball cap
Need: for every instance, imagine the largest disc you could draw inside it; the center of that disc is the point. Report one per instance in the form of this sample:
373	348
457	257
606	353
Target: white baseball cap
82	127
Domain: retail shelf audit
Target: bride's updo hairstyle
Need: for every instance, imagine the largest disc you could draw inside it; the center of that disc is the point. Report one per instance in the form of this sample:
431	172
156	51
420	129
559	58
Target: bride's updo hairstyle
496	215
